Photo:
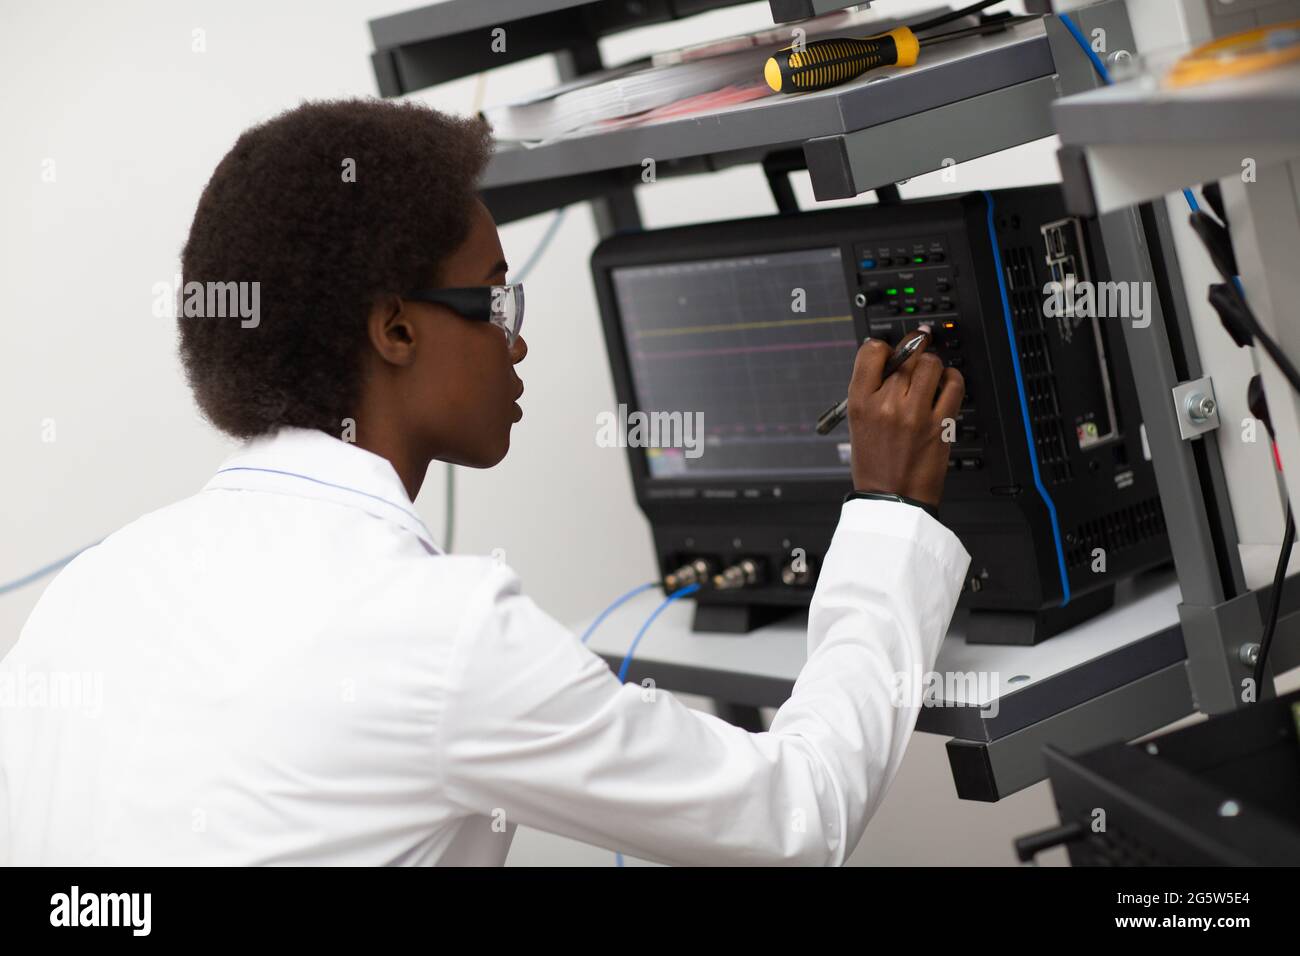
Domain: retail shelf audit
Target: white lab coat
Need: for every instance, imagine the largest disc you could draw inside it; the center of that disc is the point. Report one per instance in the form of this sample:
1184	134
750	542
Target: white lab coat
290	671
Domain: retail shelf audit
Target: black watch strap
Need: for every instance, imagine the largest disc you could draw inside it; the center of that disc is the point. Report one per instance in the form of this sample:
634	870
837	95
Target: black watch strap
929	509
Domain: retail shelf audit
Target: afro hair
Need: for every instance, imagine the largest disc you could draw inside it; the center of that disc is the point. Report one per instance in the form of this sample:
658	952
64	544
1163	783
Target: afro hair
326	207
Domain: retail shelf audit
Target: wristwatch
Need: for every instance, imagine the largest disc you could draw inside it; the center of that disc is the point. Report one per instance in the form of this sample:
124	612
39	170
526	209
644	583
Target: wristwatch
929	509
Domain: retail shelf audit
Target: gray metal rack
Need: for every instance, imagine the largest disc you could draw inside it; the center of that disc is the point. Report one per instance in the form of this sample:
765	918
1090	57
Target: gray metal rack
444	41
1134	142
1151	142
971	98
968	99
1138	115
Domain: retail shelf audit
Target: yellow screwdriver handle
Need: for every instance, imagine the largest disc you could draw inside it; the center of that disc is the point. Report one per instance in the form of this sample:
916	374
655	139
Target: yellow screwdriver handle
825	63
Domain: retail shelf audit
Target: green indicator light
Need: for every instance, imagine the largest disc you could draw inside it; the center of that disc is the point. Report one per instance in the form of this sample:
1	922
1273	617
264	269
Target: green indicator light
908	289
891	292
918	258
909	309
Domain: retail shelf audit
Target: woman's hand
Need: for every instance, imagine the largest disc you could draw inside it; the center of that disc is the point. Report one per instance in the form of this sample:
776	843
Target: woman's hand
897	427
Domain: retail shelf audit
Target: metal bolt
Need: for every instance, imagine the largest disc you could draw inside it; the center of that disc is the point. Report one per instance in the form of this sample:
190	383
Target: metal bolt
1229	808
1248	654
1200	408
1152	749
860	300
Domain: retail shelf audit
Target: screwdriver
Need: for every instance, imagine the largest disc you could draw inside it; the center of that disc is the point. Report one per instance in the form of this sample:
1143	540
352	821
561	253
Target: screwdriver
825	63
840	411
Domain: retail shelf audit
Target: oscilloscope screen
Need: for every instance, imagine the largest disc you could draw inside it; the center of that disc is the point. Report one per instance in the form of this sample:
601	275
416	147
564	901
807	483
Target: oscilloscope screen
760	345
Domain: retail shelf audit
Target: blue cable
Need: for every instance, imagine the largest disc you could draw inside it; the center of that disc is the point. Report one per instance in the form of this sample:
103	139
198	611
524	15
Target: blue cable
42	572
1084	45
1106	78
618	602
1068	22
1024	406
551	229
627	661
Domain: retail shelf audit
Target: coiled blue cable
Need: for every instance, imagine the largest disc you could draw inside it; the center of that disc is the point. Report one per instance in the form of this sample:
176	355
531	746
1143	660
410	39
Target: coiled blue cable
627	660
618	602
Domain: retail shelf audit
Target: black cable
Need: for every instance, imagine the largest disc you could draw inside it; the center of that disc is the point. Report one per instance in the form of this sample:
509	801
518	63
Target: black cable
1275	602
951	15
1214	236
1203	225
1274	351
993	26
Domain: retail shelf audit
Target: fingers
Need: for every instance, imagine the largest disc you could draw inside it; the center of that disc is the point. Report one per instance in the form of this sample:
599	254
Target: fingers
952	389
869	368
904	372
919	378
925	380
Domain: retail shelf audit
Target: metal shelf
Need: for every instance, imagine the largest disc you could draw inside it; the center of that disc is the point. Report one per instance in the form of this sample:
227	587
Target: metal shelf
1133	142
1138	113
967	99
1117	676
419	48
784	11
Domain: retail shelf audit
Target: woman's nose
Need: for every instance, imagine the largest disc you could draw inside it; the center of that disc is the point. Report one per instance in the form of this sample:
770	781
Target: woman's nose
518	351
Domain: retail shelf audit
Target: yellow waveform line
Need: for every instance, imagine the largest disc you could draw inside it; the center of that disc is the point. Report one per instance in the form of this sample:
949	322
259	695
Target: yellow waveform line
729	327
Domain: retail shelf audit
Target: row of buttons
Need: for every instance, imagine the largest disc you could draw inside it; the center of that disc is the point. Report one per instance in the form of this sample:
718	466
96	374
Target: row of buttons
884	262
911	306
946	333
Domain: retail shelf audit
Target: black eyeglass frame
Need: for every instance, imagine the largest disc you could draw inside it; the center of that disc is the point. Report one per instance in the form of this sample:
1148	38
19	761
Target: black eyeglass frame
502	305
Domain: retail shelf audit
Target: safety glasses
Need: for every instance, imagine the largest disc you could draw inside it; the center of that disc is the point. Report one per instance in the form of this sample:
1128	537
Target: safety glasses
502	305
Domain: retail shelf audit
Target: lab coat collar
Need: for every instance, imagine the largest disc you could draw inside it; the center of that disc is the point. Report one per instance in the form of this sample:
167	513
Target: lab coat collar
312	464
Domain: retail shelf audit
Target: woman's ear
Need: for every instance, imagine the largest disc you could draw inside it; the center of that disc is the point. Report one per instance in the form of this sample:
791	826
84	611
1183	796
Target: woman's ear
391	329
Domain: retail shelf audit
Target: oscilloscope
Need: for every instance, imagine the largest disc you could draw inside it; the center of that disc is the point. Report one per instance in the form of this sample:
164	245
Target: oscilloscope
752	327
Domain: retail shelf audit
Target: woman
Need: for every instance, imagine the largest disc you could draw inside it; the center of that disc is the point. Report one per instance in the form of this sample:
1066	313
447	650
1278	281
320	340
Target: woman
291	669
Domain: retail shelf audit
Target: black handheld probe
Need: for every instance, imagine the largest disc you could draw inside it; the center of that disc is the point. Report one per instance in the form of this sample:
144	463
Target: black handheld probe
838	412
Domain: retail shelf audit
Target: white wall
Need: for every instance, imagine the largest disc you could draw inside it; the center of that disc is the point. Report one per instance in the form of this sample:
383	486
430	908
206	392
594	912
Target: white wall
135	122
